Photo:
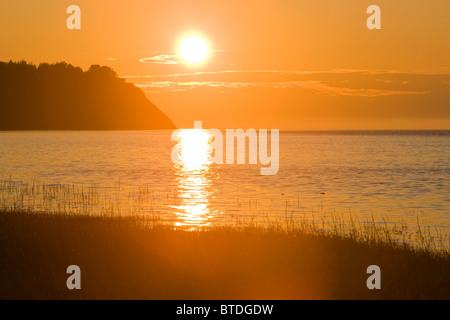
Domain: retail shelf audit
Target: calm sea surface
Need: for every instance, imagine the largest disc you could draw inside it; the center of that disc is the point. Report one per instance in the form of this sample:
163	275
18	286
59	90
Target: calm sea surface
393	175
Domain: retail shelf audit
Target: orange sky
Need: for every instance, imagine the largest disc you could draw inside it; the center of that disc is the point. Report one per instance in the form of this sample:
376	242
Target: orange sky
396	77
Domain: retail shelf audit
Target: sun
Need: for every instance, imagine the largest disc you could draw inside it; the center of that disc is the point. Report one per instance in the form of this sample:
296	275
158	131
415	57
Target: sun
194	49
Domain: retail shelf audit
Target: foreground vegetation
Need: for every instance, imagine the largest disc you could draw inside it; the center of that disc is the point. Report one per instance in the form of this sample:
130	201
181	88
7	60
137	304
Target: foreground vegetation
131	258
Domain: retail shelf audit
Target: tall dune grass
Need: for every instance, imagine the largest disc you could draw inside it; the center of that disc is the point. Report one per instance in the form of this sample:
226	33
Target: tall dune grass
128	248
150	208
121	257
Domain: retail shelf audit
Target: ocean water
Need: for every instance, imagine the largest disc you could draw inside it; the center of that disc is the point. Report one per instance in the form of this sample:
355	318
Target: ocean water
388	175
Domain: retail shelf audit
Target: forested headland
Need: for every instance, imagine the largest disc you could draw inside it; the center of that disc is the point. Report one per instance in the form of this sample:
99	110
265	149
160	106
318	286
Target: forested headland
61	96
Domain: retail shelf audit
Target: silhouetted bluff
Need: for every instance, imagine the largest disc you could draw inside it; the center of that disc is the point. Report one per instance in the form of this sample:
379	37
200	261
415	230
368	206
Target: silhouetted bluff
63	97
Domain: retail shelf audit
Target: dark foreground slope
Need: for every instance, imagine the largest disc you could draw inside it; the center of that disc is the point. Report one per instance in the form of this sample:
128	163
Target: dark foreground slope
120	260
63	97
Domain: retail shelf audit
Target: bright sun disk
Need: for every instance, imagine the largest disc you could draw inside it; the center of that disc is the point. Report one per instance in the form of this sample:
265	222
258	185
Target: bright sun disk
194	49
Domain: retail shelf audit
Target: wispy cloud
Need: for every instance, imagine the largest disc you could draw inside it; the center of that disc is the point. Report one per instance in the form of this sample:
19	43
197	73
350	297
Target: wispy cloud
168	57
262	71
340	82
161	59
363	92
316	86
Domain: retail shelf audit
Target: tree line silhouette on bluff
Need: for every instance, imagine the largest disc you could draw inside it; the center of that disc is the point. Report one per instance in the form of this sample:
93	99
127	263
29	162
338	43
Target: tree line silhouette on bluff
63	97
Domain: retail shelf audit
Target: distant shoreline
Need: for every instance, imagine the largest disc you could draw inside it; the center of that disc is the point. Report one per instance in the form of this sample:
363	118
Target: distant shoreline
61	96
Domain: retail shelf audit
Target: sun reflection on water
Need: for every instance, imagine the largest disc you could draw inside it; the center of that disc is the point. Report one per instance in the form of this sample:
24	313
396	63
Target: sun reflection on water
193	152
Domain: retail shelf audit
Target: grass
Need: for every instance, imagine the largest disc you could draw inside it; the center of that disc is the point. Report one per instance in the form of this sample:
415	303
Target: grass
119	201
130	258
126	249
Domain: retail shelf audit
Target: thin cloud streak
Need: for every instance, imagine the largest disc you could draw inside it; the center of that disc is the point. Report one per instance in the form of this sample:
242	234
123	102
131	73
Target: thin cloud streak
335	71
170	57
316	86
338	82
161	59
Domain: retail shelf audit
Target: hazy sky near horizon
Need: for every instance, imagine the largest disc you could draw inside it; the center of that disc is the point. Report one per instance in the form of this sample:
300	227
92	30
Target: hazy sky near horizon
274	64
